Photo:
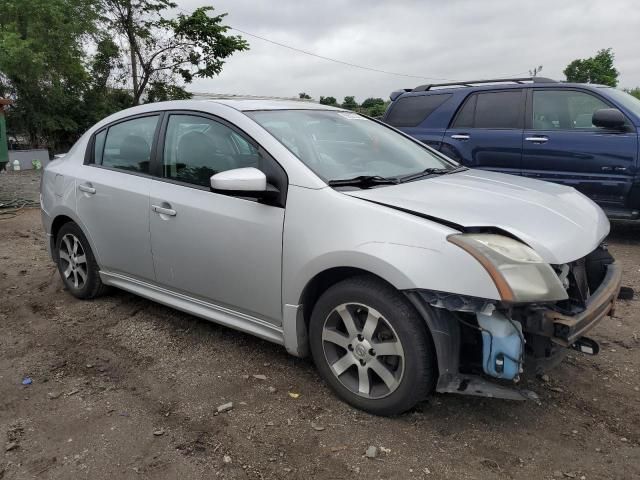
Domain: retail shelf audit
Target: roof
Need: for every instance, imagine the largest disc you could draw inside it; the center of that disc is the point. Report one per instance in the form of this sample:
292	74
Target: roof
245	105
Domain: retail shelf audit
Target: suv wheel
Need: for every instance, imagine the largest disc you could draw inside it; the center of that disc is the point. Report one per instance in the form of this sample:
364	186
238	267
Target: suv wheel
372	347
76	263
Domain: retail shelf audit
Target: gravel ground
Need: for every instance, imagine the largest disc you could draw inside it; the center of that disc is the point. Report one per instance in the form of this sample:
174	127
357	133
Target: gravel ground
19	188
125	388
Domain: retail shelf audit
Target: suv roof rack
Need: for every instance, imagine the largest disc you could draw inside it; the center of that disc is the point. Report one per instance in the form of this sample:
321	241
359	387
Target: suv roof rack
424	88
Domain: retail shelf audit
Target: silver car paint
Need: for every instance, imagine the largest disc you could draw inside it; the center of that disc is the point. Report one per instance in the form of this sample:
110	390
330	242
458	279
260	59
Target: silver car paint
229	272
117	216
543	215
223	249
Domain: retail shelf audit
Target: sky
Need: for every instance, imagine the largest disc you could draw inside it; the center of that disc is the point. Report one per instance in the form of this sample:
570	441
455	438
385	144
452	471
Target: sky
442	40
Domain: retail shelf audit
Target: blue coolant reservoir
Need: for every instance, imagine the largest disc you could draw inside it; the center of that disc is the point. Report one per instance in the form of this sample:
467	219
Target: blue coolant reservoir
502	345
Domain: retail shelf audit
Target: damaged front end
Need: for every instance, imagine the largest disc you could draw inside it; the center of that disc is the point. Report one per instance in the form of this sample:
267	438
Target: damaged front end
484	345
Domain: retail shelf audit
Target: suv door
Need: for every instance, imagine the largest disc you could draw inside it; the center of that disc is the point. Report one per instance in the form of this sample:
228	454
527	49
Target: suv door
112	195
486	132
561	145
223	249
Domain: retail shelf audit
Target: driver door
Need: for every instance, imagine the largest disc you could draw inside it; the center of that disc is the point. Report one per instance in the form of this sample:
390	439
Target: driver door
222	249
560	144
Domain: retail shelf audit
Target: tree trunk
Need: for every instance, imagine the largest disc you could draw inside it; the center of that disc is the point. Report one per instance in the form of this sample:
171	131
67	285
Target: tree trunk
134	71
132	52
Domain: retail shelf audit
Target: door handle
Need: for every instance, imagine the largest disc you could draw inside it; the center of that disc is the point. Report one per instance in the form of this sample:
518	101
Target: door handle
537	139
164	211
87	189
460	136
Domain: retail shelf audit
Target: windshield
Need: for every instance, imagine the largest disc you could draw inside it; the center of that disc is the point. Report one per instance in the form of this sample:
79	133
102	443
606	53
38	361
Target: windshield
629	102
343	145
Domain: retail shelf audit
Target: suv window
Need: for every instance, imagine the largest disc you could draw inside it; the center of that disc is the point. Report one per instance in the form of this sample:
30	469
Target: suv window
564	109
128	144
412	111
198	147
491	110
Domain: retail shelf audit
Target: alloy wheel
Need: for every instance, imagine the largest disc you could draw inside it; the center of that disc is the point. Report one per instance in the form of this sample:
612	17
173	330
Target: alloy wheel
73	261
363	350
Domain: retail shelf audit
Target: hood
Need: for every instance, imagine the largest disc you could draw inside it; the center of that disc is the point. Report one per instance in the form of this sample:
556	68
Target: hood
558	222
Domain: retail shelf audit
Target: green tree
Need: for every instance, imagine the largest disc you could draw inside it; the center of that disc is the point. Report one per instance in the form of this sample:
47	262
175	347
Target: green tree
371	102
377	110
101	98
350	103
42	67
164	50
597	69
304	96
328	100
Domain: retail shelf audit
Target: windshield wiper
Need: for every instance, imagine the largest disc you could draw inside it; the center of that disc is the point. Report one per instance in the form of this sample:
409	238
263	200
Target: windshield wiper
363	181
432	171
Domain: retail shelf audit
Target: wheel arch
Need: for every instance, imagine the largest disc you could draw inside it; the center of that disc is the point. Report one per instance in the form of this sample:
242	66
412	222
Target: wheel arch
61	219
296	317
322	281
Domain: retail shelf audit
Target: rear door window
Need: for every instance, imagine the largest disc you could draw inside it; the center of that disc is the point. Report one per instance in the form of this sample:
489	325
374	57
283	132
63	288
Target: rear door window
128	144
500	110
413	110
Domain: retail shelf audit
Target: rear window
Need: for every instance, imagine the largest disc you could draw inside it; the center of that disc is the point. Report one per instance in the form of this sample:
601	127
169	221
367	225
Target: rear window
128	144
491	110
413	110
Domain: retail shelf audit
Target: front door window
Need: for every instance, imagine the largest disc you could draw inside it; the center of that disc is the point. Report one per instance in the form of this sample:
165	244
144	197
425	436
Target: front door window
197	148
564	110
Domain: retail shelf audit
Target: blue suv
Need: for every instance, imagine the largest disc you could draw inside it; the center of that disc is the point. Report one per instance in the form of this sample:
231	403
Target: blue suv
581	135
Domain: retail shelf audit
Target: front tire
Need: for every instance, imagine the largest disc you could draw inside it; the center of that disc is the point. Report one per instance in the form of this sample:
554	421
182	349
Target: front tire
77	265
372	347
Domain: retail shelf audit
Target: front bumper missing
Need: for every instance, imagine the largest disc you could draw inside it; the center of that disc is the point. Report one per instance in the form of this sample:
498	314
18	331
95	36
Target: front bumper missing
565	330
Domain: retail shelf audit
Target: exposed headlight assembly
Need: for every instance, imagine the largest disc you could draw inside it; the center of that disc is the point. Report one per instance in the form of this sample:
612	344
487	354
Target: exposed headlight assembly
519	273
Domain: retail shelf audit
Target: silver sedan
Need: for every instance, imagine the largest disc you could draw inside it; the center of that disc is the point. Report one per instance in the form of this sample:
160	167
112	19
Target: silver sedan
337	236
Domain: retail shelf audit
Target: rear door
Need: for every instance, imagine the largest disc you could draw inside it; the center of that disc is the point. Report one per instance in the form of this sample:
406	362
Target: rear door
486	132
561	145
112	196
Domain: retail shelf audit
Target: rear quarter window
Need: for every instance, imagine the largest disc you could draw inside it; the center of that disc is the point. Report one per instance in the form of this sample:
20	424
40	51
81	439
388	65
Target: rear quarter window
413	110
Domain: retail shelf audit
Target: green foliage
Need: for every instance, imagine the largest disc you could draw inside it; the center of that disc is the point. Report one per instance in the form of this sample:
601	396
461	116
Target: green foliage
371	102
597	69
328	101
373	107
304	96
163	50
349	103
161	92
69	63
101	99
635	92
377	110
42	67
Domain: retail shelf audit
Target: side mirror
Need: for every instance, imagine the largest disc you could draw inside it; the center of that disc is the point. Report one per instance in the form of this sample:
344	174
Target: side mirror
610	118
243	182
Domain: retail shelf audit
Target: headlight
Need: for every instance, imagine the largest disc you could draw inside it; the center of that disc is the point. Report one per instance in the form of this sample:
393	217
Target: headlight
519	273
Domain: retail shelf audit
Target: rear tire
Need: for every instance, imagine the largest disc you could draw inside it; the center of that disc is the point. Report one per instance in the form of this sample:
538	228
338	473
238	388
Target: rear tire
372	347
77	265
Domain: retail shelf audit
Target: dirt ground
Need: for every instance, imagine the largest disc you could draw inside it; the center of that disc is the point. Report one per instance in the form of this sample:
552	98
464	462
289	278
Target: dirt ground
125	388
